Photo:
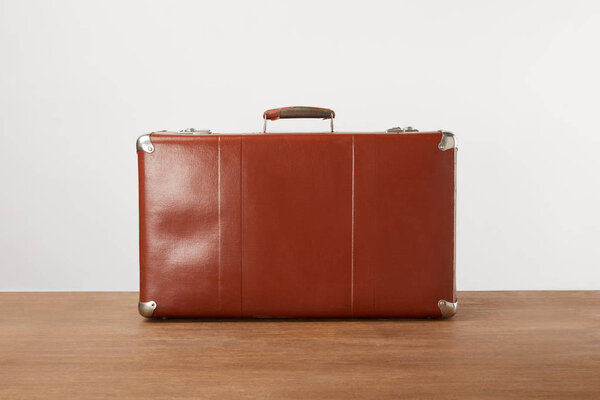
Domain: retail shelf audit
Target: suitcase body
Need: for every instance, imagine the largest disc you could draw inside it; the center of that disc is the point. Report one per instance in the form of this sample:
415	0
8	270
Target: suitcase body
297	224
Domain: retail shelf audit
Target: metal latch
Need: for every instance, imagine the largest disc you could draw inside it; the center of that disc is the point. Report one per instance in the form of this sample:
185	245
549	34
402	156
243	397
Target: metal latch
197	131
398	129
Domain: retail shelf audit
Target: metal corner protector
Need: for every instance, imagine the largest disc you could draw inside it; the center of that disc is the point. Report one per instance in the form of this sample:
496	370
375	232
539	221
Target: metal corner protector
146	308
447	308
144	144
448	141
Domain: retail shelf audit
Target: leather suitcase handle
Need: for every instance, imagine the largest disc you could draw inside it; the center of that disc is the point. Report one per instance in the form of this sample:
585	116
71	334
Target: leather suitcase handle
298	112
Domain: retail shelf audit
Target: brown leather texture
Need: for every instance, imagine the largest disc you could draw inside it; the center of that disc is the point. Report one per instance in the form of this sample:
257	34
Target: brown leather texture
297	225
299	112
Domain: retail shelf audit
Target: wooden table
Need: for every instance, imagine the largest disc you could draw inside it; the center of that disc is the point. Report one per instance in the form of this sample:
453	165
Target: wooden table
500	344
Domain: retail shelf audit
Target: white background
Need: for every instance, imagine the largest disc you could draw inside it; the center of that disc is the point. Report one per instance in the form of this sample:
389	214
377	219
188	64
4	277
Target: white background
517	81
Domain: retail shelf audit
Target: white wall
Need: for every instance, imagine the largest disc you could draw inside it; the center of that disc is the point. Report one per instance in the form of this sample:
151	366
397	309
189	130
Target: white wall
517	81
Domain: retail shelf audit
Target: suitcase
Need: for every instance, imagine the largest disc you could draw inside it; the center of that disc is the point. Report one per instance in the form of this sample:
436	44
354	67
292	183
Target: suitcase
297	224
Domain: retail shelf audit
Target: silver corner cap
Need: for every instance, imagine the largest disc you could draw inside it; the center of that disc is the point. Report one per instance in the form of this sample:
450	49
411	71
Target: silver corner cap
144	144
448	141
146	308
448	309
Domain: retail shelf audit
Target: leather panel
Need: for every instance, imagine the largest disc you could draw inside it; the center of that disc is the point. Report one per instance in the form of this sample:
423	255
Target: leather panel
365	224
179	226
230	233
296	221
415	225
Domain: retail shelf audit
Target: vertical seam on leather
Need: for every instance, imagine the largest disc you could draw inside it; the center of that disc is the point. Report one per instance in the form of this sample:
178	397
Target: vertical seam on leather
455	154
241	230
352	234
374	262
142	223
219	216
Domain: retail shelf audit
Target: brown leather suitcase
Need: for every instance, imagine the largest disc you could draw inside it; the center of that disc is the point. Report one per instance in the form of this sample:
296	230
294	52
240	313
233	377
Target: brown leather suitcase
297	224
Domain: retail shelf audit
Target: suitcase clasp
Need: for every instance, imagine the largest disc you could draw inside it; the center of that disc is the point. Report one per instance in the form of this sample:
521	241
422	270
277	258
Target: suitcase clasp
398	129
196	131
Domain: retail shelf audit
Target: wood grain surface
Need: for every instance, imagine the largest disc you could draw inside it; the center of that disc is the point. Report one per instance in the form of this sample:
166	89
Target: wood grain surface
500	345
